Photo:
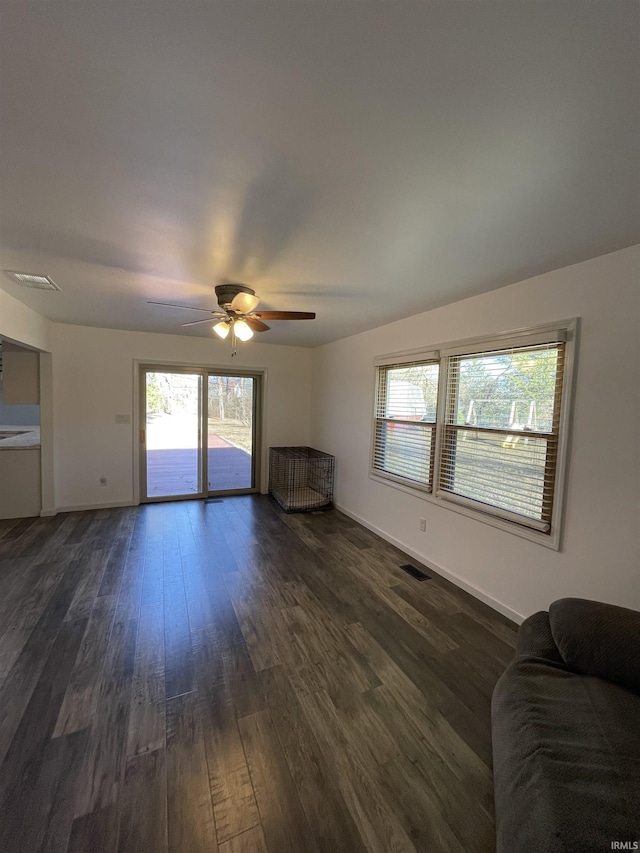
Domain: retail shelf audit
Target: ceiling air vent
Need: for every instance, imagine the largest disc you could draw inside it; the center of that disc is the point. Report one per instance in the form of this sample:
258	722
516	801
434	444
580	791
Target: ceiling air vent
27	279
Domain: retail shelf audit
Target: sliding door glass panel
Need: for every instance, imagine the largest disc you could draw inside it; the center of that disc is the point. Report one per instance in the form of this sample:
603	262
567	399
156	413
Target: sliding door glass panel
230	437
173	433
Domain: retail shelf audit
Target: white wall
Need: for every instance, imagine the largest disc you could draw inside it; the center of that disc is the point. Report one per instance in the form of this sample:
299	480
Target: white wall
93	380
20	375
13	415
22	325
600	556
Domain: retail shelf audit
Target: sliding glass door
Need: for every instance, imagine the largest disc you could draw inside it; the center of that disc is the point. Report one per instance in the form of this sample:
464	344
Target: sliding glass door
230	432
173	406
199	434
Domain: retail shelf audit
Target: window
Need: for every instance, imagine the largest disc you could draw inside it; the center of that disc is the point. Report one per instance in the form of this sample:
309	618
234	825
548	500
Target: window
500	433
489	441
405	422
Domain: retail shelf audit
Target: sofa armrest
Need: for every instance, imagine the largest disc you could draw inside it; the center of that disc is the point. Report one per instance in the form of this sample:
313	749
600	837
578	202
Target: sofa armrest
536	640
598	639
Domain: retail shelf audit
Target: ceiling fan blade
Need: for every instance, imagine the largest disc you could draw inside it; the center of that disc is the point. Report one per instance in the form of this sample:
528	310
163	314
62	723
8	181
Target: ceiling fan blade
187	307
243	303
256	325
285	315
196	322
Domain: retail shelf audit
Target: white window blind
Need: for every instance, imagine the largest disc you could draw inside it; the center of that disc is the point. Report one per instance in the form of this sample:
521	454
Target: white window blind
405	422
499	443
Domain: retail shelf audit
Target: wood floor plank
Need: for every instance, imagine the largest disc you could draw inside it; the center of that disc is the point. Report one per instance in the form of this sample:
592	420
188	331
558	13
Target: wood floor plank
481	648
339	664
16	542
81	697
417	808
449	599
376	821
433	712
227	625
423	731
283	819
82	522
43	532
96	832
26	750
37	814
153	577
456	782
253	618
19	684
189	807
251	841
221	559
6	525
130	588
11	576
438	639
242	681
23	605
232	793
105	761
179	675
143	822
147	719
329	818
199	611
56	789
94	565
424	670
113	569
11	646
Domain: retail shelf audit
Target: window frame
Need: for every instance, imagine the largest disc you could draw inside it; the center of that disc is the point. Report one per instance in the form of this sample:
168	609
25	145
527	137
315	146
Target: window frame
567	331
408	359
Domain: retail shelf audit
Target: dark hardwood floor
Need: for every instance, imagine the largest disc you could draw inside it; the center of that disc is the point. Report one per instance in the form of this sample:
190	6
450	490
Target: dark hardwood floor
188	677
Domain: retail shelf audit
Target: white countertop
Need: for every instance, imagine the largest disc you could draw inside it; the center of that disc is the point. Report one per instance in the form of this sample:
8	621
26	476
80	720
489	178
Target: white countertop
28	437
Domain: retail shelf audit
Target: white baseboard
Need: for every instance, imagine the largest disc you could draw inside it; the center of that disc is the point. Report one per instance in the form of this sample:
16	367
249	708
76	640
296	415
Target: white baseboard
502	608
82	507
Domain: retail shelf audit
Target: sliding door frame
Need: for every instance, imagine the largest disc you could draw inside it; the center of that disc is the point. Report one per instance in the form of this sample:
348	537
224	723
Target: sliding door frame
259	386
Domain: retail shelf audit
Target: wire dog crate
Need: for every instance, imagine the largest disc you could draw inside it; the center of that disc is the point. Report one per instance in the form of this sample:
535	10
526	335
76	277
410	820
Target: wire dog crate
301	478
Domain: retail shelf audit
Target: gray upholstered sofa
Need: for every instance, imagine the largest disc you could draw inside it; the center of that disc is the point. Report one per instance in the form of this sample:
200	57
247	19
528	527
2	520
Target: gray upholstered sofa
566	732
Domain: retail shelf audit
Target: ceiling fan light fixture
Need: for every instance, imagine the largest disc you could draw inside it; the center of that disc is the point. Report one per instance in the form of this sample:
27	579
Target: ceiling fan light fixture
243	331
243	303
237	314
221	329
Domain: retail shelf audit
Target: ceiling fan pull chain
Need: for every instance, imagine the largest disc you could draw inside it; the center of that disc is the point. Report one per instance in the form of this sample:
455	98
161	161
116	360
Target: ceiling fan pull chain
233	340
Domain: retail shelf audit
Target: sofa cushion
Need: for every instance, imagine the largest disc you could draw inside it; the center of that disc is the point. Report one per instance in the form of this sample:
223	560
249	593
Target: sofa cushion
535	638
566	756
598	639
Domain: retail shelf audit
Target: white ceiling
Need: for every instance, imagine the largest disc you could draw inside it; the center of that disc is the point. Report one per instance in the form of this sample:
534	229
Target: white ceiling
365	160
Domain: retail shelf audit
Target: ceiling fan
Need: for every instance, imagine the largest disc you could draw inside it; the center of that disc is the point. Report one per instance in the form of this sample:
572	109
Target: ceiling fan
238	315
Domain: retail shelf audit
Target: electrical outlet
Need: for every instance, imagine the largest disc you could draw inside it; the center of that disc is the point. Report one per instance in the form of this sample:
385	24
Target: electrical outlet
423	524
103	481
